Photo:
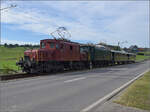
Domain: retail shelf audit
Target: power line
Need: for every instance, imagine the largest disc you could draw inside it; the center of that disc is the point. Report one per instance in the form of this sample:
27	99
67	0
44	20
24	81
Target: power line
5	8
11	6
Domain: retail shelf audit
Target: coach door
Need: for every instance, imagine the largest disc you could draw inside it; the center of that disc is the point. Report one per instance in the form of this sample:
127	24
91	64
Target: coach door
113	56
128	56
92	53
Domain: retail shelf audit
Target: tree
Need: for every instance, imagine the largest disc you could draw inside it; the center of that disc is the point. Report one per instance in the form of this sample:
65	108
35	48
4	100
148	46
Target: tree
16	45
5	45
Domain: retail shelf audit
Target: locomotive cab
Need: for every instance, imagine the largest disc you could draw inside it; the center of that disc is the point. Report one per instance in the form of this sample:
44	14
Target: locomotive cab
49	44
29	60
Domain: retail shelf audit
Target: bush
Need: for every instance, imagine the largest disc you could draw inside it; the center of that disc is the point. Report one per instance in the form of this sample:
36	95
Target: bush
140	53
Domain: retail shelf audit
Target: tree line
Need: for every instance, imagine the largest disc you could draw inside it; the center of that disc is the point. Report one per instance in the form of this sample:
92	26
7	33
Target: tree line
17	45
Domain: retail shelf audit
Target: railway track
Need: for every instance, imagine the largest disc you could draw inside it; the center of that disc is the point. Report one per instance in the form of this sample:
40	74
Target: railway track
25	75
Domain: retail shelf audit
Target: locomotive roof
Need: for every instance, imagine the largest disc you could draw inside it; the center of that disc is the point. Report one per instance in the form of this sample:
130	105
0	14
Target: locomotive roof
57	40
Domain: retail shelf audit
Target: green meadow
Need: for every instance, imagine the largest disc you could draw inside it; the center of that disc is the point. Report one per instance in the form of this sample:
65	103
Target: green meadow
9	57
143	57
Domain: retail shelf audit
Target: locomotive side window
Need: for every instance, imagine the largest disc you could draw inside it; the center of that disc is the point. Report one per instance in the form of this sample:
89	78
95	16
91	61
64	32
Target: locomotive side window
51	45
57	46
43	45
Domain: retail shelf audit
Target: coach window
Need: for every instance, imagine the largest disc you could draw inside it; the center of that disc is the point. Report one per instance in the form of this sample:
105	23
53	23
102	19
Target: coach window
51	45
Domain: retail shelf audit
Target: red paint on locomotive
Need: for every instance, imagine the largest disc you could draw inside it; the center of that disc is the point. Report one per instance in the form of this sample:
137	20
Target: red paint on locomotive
56	50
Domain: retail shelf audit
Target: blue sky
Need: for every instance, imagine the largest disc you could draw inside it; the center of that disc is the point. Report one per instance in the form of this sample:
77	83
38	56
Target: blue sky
87	21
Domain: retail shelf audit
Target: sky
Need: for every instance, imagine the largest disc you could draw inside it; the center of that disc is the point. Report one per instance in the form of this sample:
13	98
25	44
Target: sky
126	22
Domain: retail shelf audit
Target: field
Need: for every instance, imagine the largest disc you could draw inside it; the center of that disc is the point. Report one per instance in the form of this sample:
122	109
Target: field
9	57
146	53
141	57
138	94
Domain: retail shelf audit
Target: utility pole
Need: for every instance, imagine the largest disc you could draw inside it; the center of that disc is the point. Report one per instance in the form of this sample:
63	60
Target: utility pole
121	43
5	8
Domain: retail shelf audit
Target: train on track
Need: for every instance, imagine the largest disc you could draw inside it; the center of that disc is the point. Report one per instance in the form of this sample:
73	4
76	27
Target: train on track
59	55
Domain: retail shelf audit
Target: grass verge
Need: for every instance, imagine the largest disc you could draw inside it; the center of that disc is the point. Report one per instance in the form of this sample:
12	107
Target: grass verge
137	94
141	57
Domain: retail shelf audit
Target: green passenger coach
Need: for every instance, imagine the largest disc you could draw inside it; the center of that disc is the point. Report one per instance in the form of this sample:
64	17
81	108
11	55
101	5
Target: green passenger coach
99	55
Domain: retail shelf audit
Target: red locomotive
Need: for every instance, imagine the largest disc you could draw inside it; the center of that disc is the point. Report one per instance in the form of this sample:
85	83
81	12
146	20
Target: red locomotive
54	55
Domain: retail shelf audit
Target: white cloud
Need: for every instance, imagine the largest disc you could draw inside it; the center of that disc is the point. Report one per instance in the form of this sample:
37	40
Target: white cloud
92	21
